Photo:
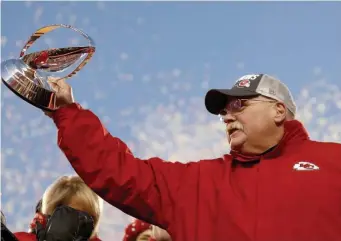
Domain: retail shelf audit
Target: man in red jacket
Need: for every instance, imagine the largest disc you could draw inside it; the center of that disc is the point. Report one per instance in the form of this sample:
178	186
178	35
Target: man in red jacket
275	185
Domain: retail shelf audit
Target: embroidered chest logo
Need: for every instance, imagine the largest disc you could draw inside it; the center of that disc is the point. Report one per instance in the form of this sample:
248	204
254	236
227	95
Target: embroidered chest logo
305	166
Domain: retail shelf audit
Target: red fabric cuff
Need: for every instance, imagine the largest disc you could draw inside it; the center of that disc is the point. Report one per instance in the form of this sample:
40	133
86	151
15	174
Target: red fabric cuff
65	112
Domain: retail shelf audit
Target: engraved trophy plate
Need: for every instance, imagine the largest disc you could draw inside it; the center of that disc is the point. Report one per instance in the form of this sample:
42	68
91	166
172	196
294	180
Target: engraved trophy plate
28	75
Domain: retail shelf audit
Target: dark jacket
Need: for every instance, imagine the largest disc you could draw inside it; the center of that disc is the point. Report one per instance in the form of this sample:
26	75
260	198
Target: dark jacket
23	236
292	192
6	234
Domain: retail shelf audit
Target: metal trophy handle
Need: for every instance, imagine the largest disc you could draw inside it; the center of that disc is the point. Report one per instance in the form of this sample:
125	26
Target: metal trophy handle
28	76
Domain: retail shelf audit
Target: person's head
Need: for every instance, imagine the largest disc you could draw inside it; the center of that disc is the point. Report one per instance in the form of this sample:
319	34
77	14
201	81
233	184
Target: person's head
160	234
73	192
38	206
254	111
37	211
3	218
138	231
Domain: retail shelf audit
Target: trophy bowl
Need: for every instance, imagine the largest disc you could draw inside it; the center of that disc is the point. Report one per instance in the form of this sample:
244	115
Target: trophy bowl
29	75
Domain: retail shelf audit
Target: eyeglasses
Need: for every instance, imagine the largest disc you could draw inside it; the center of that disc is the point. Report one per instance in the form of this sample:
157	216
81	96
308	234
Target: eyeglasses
237	105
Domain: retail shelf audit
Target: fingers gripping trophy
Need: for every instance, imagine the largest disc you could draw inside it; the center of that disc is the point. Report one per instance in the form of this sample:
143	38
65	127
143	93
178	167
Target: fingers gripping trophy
33	77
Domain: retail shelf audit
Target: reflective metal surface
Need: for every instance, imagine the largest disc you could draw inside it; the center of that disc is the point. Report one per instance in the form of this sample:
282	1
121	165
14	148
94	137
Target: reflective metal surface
24	82
28	75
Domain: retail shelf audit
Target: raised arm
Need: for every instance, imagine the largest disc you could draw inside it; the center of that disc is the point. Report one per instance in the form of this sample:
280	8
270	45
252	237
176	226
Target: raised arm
146	189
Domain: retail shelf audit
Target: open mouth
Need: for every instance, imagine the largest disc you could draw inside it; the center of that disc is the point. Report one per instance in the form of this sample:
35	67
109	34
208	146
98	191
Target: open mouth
231	131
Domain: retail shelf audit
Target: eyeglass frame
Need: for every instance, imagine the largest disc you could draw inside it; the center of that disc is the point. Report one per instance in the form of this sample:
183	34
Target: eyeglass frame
241	105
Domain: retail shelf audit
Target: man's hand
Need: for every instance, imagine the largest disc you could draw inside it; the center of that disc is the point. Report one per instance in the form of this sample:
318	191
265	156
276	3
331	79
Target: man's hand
64	95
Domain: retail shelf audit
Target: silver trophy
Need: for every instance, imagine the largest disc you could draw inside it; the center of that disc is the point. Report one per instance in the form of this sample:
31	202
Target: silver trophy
29	75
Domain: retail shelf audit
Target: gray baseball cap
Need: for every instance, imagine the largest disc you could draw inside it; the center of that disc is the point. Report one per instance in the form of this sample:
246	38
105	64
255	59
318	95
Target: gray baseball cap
251	85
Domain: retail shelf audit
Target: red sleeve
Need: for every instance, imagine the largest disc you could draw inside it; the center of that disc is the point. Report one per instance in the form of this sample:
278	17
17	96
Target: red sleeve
145	189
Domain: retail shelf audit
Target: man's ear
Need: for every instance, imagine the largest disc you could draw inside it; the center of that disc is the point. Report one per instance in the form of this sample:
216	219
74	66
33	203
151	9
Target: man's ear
280	113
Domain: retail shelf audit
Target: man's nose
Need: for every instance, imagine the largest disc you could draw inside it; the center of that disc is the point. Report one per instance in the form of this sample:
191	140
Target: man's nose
229	118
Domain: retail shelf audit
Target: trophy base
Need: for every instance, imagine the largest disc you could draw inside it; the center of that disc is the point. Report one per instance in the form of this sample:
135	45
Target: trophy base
24	82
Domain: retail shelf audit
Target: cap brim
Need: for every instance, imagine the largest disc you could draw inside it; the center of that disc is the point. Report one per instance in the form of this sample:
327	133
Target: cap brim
216	99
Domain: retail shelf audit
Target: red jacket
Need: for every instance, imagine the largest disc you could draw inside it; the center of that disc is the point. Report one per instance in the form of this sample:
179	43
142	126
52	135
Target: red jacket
292	193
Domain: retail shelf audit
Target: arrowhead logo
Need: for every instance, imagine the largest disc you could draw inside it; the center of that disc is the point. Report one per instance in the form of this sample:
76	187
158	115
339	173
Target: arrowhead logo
305	166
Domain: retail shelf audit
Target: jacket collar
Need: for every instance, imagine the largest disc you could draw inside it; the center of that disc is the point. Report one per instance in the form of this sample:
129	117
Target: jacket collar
294	134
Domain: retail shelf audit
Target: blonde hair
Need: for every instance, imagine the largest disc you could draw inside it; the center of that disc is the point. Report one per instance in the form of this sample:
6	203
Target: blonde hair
68	188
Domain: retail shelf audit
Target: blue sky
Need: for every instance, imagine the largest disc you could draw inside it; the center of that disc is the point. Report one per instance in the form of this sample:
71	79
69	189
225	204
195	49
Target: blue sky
153	64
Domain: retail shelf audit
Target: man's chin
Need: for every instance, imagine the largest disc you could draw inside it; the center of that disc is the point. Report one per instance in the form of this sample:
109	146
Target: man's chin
236	144
236	148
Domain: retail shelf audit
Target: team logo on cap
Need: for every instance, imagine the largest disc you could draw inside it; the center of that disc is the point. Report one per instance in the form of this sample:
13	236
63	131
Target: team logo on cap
243	83
245	80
